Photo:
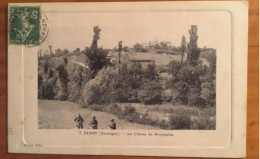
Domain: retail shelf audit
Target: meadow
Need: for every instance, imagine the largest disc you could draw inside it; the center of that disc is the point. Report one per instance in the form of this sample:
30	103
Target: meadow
54	114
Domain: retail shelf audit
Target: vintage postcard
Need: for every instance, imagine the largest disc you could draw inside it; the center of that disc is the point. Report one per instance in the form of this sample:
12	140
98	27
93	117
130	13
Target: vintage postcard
128	78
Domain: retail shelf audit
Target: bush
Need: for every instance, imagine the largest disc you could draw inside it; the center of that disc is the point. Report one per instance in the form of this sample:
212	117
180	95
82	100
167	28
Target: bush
99	90
97	107
180	94
163	124
116	110
181	120
47	91
75	84
130	114
203	122
151	93
194	98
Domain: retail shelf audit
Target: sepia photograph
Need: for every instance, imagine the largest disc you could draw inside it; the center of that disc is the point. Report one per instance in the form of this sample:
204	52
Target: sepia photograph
117	72
127	78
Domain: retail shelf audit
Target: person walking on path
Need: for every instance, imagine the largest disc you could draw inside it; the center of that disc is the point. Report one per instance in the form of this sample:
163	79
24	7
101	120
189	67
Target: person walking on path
79	122
112	125
94	123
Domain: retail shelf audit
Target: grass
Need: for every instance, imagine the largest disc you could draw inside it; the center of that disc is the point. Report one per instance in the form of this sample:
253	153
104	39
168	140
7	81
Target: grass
54	114
178	116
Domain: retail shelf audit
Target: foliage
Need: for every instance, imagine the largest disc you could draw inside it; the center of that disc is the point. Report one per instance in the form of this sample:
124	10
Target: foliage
96	56
181	90
64	79
194	52
126	84
47	91
65	60
46	67
75	84
150	72
204	122
50	73
130	114
151	93
98	90
181	121
208	86
139	48
116	110
183	47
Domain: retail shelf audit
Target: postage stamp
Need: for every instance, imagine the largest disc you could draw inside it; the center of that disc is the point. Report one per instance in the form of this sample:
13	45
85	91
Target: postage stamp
24	25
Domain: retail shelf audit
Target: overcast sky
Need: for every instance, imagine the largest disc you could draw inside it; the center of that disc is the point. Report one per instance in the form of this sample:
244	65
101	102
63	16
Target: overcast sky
72	30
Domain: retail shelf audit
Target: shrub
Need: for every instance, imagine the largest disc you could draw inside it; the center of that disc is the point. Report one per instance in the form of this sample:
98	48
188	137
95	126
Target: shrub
208	92
163	124
203	122
116	110
180	94
99	90
151	93
47	91
75	84
130	114
181	120
194	98
97	107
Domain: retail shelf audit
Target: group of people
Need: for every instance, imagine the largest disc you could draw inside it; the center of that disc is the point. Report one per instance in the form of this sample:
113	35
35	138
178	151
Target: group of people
93	123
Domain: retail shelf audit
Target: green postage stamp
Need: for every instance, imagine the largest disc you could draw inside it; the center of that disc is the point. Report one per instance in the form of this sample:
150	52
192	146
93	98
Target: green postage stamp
24	25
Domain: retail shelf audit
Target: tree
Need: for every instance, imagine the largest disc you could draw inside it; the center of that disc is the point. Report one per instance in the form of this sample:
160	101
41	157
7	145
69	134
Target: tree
97	57
150	72
151	93
65	60
139	48
75	84
183	47
46	67
119	52
50	73
194	52
64	79
97	31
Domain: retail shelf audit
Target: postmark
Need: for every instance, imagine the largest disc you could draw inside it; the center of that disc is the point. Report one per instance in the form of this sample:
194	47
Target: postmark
27	26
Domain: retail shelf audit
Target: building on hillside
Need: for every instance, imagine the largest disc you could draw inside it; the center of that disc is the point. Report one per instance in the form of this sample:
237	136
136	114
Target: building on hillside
143	62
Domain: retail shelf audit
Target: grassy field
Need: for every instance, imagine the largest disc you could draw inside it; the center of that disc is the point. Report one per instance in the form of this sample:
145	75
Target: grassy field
165	110
61	114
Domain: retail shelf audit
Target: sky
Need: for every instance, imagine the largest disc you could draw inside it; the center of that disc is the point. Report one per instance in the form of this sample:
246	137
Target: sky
75	30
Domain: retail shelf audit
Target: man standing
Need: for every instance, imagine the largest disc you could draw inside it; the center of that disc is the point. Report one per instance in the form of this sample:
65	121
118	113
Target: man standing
112	124
94	123
79	122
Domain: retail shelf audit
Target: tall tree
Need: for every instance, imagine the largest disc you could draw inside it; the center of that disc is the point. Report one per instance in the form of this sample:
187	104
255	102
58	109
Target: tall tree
97	57
64	79
183	47
97	31
194	52
119	54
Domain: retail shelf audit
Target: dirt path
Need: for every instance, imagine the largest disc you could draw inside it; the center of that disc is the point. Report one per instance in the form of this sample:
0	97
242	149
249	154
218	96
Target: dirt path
60	115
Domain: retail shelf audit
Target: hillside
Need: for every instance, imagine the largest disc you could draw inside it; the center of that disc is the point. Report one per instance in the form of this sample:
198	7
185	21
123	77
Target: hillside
61	114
